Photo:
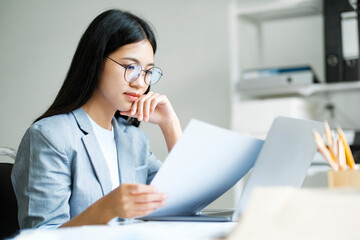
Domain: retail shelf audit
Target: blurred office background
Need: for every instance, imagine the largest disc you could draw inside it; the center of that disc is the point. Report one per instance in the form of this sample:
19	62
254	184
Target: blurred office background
38	39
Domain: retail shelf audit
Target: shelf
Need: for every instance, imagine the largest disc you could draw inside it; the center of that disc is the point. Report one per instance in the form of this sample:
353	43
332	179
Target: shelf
303	90
279	9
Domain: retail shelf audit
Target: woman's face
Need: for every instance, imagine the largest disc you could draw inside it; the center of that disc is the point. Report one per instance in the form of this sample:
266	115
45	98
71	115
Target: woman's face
113	90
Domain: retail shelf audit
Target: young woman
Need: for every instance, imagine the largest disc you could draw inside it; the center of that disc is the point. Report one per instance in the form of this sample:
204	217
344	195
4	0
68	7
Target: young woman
85	161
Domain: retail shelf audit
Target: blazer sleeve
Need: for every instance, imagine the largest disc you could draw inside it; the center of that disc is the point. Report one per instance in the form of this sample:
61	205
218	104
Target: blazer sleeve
41	178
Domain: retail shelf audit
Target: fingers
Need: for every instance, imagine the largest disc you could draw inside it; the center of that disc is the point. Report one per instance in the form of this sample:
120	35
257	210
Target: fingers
137	107
149	197
134	200
140	188
126	113
144	106
141	104
141	193
133	209
153	104
151	206
150	203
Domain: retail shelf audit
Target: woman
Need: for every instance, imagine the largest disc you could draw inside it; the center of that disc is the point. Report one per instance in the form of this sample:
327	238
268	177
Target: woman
82	162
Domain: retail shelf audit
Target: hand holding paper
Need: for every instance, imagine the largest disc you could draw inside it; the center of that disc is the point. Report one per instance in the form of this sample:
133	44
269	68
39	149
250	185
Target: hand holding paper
205	162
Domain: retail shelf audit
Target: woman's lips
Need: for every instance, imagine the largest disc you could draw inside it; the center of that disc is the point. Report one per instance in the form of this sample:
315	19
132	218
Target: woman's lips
132	96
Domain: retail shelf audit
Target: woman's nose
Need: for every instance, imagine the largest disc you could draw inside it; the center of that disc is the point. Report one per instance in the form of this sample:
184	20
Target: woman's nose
140	81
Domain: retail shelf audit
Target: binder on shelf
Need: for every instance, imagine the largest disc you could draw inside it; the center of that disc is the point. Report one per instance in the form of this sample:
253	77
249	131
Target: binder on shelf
341	24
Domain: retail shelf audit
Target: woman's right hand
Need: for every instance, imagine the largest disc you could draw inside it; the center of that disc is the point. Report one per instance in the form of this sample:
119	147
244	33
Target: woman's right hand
133	200
125	201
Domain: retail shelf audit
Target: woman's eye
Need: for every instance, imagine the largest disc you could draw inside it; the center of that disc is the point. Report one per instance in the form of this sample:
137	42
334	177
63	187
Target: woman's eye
130	67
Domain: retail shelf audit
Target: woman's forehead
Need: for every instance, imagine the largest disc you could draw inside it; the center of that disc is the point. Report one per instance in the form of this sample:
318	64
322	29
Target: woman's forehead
141	52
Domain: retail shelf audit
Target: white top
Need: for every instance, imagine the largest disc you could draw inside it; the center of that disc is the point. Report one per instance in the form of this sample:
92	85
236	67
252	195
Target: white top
107	144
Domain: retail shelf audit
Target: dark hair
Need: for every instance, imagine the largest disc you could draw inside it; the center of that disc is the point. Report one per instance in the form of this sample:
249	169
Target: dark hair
108	32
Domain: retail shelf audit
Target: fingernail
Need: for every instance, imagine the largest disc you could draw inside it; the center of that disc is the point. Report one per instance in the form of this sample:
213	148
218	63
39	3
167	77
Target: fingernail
140	117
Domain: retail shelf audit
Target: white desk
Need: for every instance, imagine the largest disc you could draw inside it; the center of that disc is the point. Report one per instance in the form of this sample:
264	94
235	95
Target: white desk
272	213
135	231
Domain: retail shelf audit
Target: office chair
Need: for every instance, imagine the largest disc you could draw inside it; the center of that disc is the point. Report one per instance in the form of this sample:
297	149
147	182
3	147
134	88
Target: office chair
8	205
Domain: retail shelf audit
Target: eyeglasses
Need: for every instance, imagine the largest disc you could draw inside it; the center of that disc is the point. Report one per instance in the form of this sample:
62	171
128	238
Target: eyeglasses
133	72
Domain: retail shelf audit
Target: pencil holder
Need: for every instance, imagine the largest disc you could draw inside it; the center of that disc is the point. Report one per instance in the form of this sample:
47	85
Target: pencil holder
347	178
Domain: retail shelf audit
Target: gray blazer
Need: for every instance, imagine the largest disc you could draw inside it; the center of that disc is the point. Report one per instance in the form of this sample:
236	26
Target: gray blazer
60	170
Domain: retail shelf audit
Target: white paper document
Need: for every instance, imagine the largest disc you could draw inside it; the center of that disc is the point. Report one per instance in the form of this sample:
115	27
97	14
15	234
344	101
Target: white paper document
205	162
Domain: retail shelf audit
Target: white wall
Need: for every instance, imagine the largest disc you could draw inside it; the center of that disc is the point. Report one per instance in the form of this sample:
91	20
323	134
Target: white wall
38	39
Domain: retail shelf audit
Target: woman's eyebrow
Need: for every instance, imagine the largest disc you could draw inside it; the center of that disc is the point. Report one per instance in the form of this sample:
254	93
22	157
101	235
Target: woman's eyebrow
137	61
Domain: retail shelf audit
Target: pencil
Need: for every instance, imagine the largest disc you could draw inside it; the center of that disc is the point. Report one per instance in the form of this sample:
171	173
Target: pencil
324	151
329	140
342	157
336	148
349	157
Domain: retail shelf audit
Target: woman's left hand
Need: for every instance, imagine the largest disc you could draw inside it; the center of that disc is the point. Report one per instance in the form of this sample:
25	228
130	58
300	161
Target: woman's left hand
152	107
156	108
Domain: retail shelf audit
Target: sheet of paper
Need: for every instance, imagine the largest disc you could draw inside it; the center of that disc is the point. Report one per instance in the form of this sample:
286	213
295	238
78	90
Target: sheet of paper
205	162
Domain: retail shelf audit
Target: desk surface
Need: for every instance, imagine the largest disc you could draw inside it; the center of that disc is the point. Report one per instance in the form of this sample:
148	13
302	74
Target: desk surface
287	213
135	231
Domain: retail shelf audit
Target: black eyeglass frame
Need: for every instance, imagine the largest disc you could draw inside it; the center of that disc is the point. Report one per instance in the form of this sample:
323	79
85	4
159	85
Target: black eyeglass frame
146	72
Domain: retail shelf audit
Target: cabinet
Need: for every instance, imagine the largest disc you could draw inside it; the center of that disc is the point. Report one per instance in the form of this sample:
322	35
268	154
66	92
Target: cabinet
269	34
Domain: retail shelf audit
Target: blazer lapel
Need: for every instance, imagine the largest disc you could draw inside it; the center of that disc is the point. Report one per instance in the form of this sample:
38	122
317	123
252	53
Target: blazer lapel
124	153
92	146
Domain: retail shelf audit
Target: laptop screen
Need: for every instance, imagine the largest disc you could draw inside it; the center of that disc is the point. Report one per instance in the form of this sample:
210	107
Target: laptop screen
285	157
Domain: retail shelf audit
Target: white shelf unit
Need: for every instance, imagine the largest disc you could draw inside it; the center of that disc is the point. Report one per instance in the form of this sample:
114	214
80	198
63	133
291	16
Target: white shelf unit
257	14
302	90
279	9
247	106
250	111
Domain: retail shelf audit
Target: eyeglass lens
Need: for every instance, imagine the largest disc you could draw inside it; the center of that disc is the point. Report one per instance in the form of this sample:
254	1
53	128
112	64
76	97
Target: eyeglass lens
152	75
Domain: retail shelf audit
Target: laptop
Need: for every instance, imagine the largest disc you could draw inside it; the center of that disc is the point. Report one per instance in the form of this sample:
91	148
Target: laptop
283	160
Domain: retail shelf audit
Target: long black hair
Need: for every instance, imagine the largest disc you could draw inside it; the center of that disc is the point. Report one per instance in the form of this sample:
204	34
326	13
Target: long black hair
108	32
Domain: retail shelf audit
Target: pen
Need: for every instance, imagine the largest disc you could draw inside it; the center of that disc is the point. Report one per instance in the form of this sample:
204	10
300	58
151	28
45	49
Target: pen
324	151
349	157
